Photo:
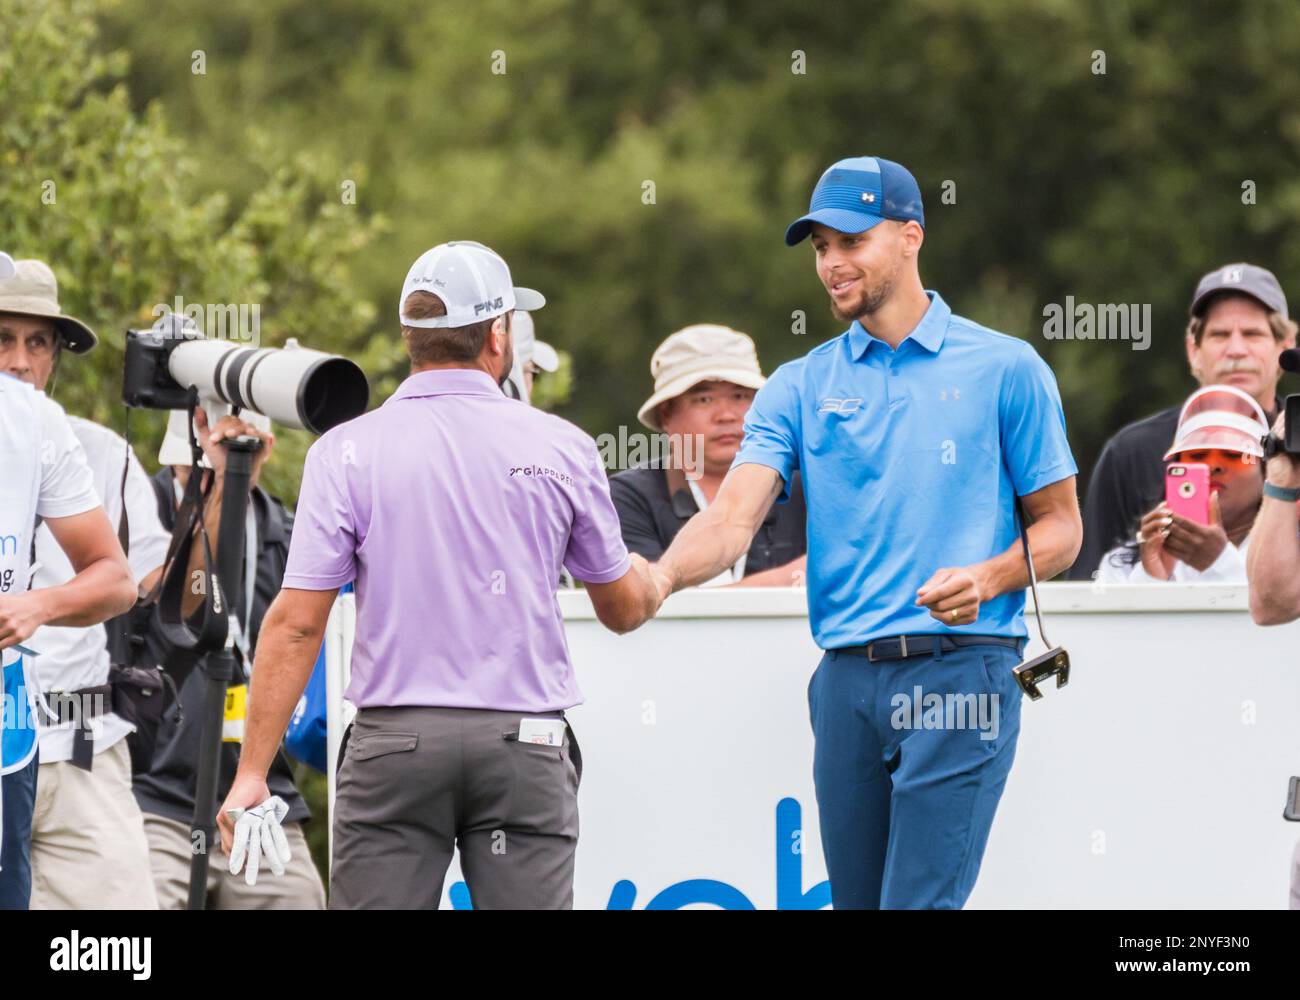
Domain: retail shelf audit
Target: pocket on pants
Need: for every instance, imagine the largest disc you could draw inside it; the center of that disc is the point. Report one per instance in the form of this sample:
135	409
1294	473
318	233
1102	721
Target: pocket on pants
544	789
1001	688
372	745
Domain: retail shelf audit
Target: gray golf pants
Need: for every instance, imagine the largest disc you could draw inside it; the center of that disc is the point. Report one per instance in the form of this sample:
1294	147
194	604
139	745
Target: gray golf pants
416	782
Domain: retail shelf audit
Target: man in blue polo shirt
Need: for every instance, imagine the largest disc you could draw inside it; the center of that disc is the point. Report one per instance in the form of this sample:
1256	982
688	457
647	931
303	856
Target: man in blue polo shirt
914	431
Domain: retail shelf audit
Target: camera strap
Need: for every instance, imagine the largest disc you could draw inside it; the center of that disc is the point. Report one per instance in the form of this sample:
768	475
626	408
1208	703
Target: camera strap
172	586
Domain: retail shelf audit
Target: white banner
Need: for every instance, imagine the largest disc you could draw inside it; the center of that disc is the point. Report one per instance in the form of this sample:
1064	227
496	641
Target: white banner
1156	778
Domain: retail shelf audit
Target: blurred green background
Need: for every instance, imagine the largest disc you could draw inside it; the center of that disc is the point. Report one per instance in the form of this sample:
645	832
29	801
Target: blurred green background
156	148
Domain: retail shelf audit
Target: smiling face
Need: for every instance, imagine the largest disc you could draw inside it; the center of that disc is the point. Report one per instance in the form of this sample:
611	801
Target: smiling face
28	345
861	270
716	412
1237	347
1235	477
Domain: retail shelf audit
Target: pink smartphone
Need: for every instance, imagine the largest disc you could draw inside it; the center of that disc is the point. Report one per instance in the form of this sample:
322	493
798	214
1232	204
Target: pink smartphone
1187	490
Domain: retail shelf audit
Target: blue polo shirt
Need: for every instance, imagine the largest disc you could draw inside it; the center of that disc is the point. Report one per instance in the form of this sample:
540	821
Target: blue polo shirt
911	462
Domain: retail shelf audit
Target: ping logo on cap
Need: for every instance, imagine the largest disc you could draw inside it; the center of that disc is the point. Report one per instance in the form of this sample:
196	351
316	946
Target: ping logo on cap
481	307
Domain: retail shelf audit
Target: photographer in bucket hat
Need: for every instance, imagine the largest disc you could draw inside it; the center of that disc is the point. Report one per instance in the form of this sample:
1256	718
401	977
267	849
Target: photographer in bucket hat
82	841
453	507
705	379
165	792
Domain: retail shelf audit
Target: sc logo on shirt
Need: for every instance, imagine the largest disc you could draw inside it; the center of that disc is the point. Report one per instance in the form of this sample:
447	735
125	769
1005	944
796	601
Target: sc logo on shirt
831	405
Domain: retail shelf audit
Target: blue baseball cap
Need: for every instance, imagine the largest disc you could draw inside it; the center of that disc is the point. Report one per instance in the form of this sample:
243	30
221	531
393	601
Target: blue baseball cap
858	193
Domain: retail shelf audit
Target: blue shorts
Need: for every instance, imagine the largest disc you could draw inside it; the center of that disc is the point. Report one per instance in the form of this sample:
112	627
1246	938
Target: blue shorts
909	763
19	790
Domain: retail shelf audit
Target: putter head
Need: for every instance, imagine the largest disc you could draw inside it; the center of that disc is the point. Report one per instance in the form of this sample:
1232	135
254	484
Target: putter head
1292	810
1031	672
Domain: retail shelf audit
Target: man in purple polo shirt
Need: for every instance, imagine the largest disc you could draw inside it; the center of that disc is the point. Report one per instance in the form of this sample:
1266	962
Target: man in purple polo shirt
454	509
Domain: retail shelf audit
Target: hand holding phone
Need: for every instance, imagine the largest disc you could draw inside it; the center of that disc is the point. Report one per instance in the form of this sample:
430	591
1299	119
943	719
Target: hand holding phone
1187	490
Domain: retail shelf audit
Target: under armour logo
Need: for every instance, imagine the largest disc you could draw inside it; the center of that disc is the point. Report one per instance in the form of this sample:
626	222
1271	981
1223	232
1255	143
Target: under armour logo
840	405
1232	276
868	197
956	394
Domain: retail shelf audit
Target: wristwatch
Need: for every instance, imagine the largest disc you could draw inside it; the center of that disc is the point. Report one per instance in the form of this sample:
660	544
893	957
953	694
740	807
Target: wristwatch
1281	492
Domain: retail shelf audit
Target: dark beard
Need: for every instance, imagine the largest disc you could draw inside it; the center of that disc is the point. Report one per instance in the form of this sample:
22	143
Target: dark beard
866	305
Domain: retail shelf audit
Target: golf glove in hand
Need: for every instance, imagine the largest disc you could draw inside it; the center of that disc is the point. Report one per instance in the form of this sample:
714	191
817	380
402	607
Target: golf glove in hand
260	838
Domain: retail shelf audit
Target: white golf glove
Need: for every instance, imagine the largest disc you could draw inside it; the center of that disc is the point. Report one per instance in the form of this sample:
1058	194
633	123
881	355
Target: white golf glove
259	837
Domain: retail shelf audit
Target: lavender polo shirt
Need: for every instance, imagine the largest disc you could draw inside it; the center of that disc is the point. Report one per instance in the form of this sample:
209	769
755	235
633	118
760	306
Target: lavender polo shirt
454	508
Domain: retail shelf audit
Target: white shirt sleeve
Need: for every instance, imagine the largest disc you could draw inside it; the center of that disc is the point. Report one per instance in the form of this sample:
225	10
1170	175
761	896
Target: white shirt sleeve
67	484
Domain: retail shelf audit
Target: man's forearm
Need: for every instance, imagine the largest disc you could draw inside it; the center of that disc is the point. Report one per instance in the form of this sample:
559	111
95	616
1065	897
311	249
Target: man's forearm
707	544
1053	544
283	665
1273	564
101	591
789	575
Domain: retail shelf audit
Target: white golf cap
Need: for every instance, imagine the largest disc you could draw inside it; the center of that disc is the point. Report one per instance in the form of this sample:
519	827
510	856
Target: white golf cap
528	348
7	269
473	282
175	449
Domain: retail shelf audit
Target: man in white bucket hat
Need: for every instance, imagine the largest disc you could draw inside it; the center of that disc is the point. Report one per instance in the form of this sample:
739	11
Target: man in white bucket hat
705	379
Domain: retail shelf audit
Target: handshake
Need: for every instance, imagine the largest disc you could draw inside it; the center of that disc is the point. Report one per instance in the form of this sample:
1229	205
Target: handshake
635	598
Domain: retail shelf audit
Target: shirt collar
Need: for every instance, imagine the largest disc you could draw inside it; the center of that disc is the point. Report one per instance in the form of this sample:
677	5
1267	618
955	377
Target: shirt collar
928	333
447	382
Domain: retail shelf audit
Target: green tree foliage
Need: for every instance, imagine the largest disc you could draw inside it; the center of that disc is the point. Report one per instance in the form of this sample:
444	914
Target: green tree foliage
111	199
1115	186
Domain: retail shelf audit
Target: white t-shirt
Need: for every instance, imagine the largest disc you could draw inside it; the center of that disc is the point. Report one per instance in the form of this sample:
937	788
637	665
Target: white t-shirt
1230	567
75	658
67	486
46	475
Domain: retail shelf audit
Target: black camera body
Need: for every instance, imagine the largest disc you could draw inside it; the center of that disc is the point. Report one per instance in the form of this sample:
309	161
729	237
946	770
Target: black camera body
1290	443
146	381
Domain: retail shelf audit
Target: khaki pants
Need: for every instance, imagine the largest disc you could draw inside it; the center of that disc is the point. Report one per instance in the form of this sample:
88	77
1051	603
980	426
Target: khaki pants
299	888
89	850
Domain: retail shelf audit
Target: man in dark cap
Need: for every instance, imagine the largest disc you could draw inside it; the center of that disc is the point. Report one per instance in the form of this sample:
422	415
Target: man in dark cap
1239	325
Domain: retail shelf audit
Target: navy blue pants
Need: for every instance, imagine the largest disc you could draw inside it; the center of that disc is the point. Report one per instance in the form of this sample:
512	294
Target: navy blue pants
910	760
16	850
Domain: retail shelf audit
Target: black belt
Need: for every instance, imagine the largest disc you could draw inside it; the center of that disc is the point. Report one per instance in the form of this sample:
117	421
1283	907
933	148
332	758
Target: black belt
903	647
80	707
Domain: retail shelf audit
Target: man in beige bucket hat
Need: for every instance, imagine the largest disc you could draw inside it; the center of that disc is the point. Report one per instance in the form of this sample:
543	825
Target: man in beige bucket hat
705	378
88	849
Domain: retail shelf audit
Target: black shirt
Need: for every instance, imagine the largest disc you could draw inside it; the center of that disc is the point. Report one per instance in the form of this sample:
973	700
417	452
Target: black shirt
168	788
650	518
1127	481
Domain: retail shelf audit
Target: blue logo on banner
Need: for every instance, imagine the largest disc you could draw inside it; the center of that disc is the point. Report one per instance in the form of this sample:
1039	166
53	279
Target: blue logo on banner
789	879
